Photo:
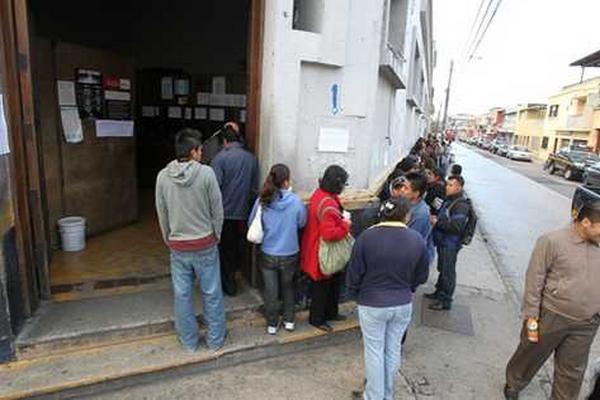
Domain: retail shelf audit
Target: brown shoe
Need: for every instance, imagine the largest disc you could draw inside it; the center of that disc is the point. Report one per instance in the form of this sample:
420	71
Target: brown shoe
440	306
510	394
324	327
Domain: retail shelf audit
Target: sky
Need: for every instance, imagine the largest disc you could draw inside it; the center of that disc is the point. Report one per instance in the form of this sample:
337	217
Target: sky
523	58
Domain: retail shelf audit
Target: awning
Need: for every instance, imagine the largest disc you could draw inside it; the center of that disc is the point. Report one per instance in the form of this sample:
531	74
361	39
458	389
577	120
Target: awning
592	60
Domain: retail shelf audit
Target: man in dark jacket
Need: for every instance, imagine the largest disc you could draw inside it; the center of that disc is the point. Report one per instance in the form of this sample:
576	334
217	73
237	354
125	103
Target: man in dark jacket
436	190
237	172
449	225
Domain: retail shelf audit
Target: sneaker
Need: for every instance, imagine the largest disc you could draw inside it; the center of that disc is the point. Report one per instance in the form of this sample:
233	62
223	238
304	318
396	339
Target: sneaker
271	330
289	326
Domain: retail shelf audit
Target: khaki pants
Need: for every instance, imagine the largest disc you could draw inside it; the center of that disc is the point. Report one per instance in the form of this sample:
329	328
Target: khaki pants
570	340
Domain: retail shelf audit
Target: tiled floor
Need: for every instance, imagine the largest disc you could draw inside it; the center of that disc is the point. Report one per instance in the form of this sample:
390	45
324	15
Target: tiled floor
128	257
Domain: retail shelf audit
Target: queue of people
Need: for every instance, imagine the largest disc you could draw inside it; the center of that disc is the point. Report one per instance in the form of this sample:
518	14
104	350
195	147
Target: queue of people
204	212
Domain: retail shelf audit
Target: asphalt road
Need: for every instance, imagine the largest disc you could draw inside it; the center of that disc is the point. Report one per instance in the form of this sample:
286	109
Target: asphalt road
534	171
516	203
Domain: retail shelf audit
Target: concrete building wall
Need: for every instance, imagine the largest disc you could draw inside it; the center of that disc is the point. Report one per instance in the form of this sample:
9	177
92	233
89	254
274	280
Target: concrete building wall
330	77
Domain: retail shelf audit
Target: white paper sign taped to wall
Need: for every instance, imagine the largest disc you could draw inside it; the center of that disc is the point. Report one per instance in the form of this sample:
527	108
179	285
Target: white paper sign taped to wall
114	128
71	124
334	140
66	93
4	147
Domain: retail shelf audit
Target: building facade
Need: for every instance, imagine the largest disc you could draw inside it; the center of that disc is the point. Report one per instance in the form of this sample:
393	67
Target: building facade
572	117
529	128
311	83
354	73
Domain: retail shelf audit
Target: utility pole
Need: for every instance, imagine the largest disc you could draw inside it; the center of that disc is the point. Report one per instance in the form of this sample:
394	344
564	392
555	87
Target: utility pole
447	96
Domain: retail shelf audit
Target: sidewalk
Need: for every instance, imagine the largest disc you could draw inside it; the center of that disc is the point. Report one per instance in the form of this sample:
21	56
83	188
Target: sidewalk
441	364
462	358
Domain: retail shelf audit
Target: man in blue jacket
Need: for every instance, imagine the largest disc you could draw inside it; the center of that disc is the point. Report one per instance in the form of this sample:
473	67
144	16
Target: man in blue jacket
237	173
413	186
449	226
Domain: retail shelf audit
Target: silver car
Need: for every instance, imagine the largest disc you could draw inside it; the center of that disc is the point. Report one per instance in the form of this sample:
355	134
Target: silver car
519	153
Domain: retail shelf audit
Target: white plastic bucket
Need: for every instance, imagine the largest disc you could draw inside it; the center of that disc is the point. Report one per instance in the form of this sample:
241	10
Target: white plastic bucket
72	233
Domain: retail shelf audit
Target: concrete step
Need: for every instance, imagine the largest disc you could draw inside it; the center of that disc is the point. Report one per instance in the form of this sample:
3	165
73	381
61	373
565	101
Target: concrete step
118	365
61	327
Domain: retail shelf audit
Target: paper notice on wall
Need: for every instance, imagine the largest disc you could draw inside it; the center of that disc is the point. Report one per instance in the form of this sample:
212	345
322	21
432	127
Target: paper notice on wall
203	99
218	85
66	93
217	114
166	88
334	140
200	113
125	84
4	147
114	128
116	95
182	87
243	116
217	100
188	113
71	124
174	112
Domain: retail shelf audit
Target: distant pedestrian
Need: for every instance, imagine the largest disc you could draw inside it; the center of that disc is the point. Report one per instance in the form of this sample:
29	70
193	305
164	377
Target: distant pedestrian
456	169
405	165
190	214
561	297
449	225
237	172
283	215
326	221
388	263
436	190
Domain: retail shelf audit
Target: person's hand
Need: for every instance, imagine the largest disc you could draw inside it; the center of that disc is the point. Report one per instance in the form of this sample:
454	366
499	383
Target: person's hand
433	219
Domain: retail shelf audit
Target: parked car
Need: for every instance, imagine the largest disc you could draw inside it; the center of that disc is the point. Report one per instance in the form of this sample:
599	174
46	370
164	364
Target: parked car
519	153
503	150
571	162
485	144
591	176
496	144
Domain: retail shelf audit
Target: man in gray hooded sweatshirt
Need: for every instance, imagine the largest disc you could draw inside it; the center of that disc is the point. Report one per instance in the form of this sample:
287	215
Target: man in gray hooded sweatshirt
190	214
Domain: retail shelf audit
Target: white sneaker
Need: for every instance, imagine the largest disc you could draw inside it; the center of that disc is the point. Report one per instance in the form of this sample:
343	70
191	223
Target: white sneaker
271	330
289	326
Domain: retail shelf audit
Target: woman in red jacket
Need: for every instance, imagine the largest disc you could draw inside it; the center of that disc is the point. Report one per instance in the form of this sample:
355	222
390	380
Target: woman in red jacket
325	221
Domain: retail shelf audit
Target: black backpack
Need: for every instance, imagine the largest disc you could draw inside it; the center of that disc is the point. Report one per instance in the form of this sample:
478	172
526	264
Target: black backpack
466	236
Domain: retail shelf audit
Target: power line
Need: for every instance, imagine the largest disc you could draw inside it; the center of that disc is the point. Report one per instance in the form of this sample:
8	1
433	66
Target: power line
481	22
485	30
473	26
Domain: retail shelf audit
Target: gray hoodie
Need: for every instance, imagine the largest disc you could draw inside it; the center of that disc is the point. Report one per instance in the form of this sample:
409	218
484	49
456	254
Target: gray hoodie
188	201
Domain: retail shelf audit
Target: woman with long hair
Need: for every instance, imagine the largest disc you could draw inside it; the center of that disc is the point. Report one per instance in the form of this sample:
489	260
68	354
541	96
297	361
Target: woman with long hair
283	215
325	221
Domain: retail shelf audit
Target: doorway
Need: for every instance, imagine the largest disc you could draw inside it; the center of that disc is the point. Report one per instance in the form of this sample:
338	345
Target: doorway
113	83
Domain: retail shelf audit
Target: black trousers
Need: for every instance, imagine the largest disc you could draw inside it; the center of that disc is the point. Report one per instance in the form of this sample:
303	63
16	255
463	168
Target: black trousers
230	249
325	295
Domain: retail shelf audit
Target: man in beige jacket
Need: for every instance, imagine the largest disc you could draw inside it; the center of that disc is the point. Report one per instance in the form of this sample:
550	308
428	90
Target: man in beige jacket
562	290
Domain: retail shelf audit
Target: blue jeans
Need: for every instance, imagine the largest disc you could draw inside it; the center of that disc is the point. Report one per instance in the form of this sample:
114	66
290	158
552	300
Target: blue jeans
446	283
382	329
186	266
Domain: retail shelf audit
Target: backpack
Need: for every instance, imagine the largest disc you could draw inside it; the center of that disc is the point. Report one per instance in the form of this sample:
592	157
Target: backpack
468	232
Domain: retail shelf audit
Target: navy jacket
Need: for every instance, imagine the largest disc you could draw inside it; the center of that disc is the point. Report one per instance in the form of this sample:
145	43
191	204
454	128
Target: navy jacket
387	265
237	173
451	223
